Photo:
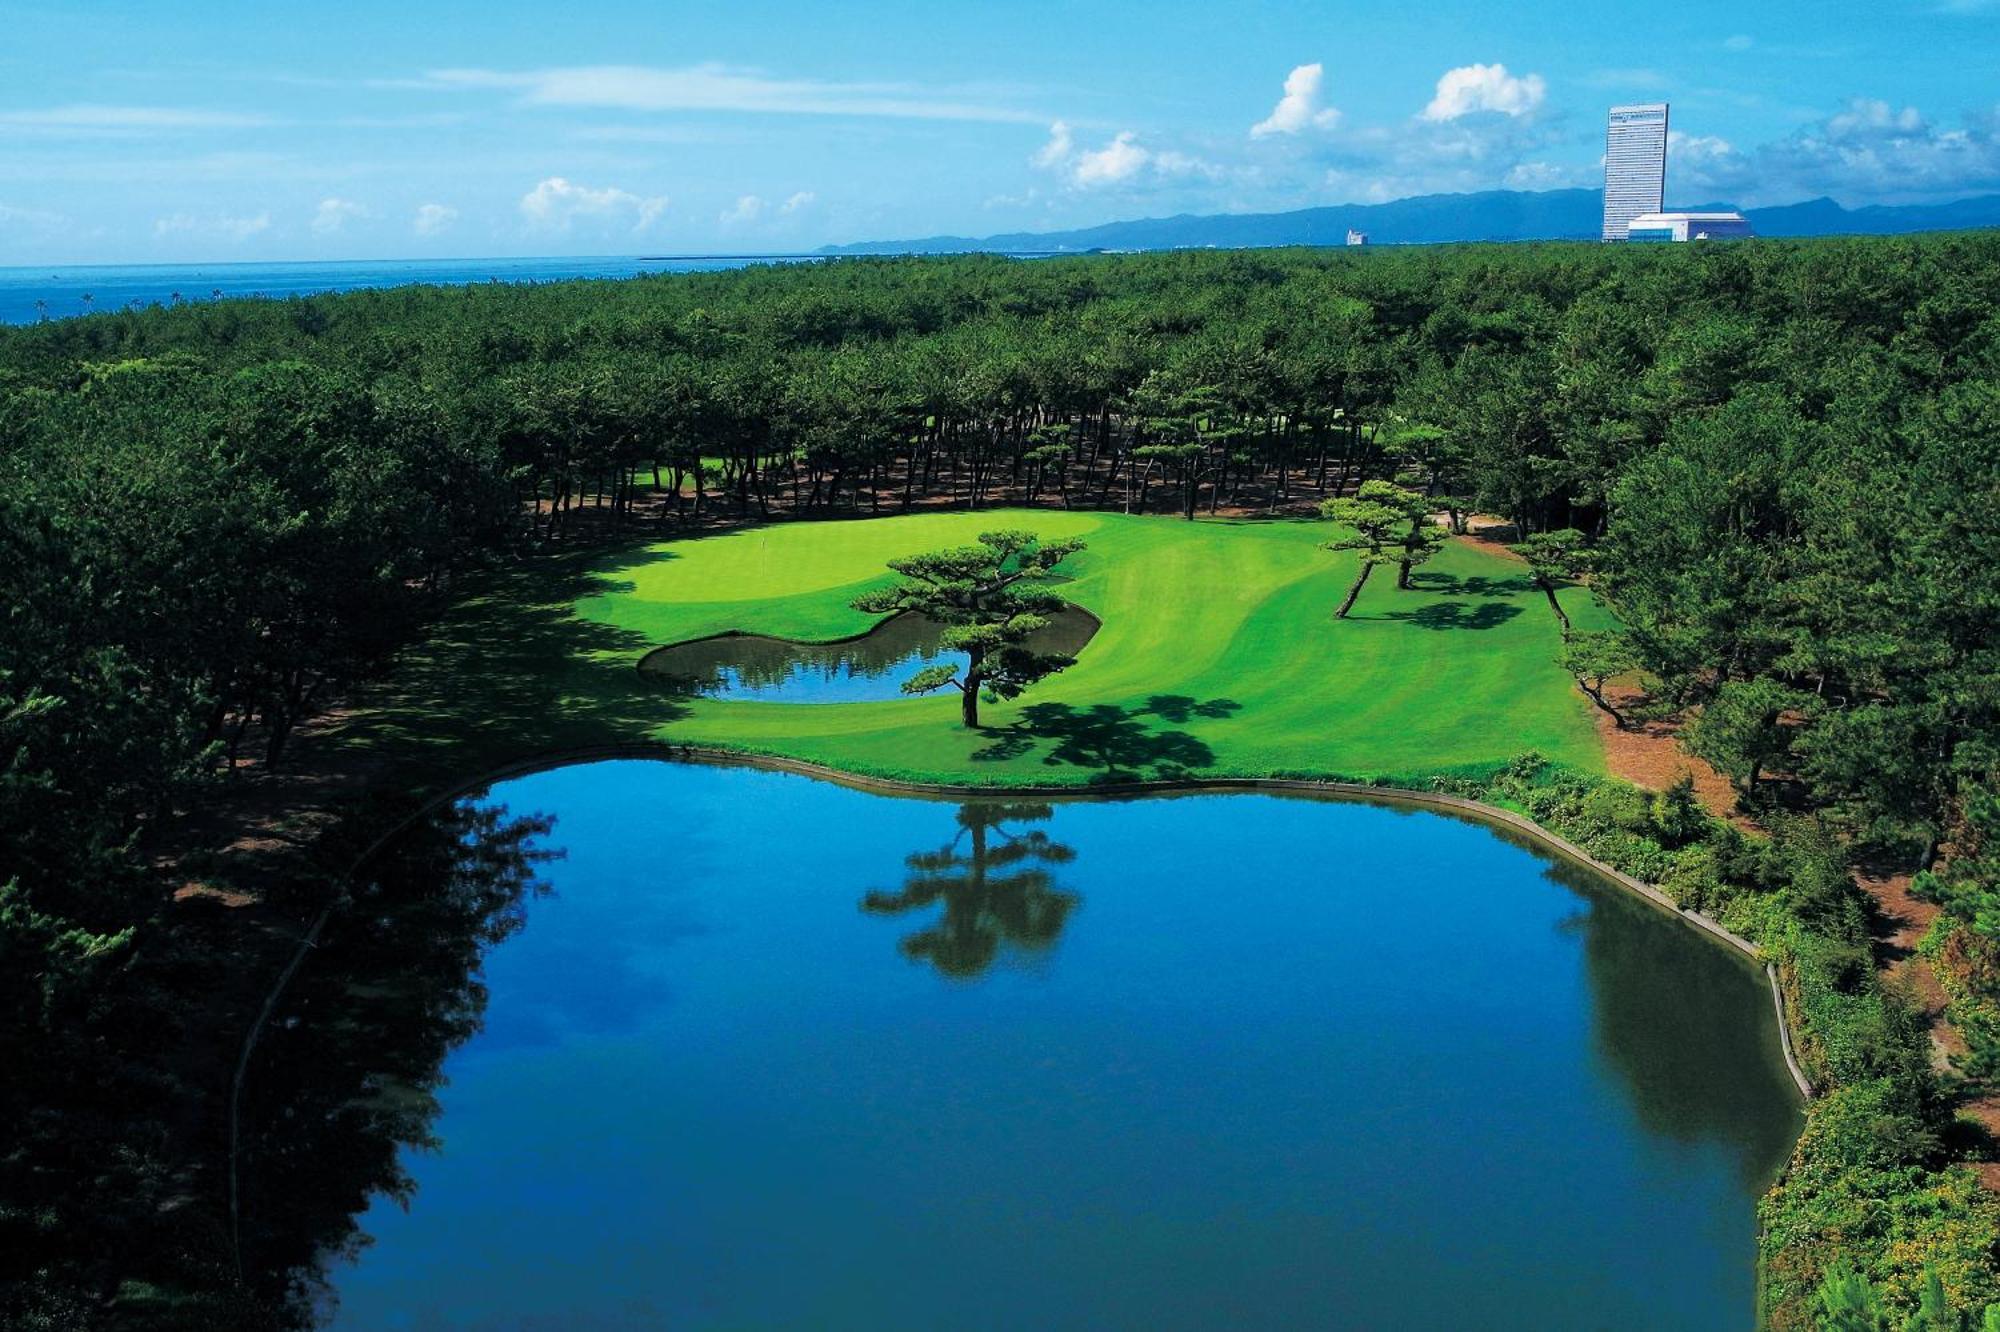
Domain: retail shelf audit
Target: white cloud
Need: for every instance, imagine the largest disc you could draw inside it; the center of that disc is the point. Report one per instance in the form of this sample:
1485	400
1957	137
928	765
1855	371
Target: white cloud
1168	162
803	199
1865	151
1057	150
653	134
1418	156
1356	187
1865	117
1473	88
1870	151
1121	159
715	87
743	212
224	225
38	218
1704	158
1027	198
334	214
1742	41
433	218
1549	176
1124	161
555	203
1300	108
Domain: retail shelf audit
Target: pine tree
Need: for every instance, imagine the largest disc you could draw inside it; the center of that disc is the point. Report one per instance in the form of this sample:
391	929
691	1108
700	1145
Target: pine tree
990	598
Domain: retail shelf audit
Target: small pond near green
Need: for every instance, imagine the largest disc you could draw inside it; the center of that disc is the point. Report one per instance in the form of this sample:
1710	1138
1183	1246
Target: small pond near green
867	668
772	1052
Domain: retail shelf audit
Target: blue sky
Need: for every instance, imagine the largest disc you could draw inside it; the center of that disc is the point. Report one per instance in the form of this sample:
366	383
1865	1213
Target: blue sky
223	130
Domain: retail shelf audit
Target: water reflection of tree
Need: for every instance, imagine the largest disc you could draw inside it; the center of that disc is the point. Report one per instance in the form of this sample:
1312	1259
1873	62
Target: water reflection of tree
346	1079
996	888
759	661
1682	1024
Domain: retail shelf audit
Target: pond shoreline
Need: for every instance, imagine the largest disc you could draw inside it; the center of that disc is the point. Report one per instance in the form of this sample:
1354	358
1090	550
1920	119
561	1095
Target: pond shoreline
1476	810
656	665
838	641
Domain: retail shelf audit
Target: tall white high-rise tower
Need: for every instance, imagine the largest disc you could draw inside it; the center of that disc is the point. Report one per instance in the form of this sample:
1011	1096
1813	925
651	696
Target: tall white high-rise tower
1635	165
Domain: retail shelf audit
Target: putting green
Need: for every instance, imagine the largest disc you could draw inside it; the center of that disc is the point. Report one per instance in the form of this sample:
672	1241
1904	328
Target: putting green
785	561
1219	656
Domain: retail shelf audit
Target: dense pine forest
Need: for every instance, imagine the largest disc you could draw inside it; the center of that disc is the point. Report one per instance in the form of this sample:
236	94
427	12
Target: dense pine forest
1778	463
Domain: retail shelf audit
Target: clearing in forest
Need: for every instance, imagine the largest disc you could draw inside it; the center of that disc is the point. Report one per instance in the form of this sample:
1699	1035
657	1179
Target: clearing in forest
1218	656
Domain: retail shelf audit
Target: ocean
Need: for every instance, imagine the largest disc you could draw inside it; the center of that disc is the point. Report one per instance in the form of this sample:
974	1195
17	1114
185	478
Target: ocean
28	295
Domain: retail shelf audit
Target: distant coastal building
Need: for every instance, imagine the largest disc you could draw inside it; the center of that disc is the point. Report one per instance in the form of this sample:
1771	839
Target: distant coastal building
1688	227
1635	165
1356	237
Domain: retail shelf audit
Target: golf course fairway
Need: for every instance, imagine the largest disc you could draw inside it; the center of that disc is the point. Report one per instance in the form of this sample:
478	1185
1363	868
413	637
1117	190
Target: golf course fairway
1219	657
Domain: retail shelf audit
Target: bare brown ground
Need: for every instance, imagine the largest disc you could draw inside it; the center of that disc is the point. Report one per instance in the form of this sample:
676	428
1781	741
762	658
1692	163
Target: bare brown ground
1904	921
251	837
1493	535
264	818
1648	753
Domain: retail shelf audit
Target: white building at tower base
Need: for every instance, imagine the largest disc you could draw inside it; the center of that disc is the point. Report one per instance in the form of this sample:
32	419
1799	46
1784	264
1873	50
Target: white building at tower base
1688	227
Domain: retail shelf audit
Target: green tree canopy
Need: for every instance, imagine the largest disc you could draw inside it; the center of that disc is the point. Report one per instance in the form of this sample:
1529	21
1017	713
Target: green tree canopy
1848	1302
1743	730
1593	659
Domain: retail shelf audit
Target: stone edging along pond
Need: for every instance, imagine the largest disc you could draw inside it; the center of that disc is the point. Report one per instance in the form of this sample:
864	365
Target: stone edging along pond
1390	795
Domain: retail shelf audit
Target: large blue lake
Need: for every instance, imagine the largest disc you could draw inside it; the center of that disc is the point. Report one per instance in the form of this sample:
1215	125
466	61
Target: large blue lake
771	1052
30	294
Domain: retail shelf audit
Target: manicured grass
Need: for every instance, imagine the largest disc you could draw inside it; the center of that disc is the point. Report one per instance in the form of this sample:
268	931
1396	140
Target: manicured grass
1219	656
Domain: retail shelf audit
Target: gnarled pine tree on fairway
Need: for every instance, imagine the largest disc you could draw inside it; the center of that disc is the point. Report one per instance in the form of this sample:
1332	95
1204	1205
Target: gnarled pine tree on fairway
1555	559
990	597
1391	525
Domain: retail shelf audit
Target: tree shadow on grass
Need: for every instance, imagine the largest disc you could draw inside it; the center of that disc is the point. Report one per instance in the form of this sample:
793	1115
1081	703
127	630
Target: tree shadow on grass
1177	708
510	672
594	571
1455	615
1477	585
1117	743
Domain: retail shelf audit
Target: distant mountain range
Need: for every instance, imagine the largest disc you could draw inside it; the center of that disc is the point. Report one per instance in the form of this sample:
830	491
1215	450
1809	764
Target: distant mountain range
1491	215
